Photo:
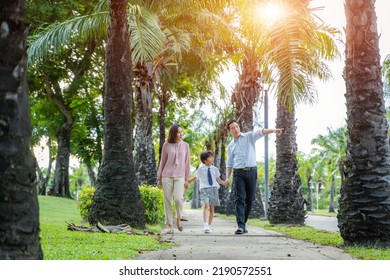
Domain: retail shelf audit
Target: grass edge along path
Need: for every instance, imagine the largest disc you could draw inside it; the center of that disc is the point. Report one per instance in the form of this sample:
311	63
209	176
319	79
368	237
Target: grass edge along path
324	237
58	243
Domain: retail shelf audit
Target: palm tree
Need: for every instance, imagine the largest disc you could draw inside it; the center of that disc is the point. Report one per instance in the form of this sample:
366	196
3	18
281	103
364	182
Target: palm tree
117	199
364	216
250	40
246	44
306	166
148	81
19	218
300	44
331	155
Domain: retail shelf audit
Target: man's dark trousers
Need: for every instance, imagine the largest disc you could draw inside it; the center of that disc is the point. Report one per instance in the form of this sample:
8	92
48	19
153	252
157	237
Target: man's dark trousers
245	181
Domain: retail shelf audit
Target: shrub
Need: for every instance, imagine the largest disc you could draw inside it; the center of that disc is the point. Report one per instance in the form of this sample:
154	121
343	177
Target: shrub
85	200
153	202
152	199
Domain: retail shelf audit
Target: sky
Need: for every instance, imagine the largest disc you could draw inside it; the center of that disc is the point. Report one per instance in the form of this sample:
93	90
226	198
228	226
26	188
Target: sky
329	111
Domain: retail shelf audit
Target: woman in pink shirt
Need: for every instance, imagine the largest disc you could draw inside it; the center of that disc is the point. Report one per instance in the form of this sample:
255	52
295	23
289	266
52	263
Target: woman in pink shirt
173	175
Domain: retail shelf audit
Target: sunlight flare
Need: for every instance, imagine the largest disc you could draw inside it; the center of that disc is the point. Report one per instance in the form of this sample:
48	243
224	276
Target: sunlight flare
270	12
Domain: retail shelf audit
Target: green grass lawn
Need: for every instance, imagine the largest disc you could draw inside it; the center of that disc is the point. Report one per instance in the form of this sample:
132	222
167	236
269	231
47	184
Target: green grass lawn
58	243
324	237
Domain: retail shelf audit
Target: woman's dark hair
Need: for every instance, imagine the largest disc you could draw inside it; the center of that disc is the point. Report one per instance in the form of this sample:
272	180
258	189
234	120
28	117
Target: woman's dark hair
172	133
229	123
205	155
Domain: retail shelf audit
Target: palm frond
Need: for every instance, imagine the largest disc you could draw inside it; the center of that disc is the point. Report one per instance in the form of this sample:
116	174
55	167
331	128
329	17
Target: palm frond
51	40
178	40
146	37
300	45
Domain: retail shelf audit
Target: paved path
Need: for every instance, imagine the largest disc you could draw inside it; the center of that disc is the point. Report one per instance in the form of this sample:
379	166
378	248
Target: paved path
322	222
223	244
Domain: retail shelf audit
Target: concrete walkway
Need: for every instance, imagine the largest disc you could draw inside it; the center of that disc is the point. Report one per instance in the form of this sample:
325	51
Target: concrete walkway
322	222
223	244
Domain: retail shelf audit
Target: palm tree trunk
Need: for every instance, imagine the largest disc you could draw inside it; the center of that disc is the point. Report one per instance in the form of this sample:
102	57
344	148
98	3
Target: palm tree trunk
163	99
117	199
91	174
309	206
364	216
332	192
19	211
60	185
195	202
144	155
245	95
286	205
223	191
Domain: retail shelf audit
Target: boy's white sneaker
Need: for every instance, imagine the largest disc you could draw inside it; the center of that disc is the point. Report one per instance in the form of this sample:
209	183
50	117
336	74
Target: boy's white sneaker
206	229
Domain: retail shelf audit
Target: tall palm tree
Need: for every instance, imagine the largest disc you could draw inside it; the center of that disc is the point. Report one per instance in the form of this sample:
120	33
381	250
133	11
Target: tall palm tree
117	199
305	169
300	44
19	214
148	82
247	45
331	154
364	216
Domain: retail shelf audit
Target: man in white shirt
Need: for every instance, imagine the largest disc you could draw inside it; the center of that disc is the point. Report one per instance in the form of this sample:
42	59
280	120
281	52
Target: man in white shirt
242	161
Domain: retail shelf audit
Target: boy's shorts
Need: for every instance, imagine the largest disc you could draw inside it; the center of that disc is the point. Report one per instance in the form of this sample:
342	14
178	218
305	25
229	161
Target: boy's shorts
210	196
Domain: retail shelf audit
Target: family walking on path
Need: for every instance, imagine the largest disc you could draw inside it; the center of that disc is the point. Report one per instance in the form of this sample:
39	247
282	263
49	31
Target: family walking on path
174	171
222	241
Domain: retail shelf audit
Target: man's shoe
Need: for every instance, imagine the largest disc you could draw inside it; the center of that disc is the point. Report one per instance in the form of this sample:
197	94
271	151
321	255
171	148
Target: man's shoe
240	231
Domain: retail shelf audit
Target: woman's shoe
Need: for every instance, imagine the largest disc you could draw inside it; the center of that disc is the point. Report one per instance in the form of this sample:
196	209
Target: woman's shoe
168	230
178	224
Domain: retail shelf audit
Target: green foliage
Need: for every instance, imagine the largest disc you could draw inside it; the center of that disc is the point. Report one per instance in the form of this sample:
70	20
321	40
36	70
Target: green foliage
85	200
58	243
78	179
153	201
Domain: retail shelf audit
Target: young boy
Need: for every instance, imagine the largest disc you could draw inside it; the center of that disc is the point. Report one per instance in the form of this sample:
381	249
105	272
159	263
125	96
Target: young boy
209	180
